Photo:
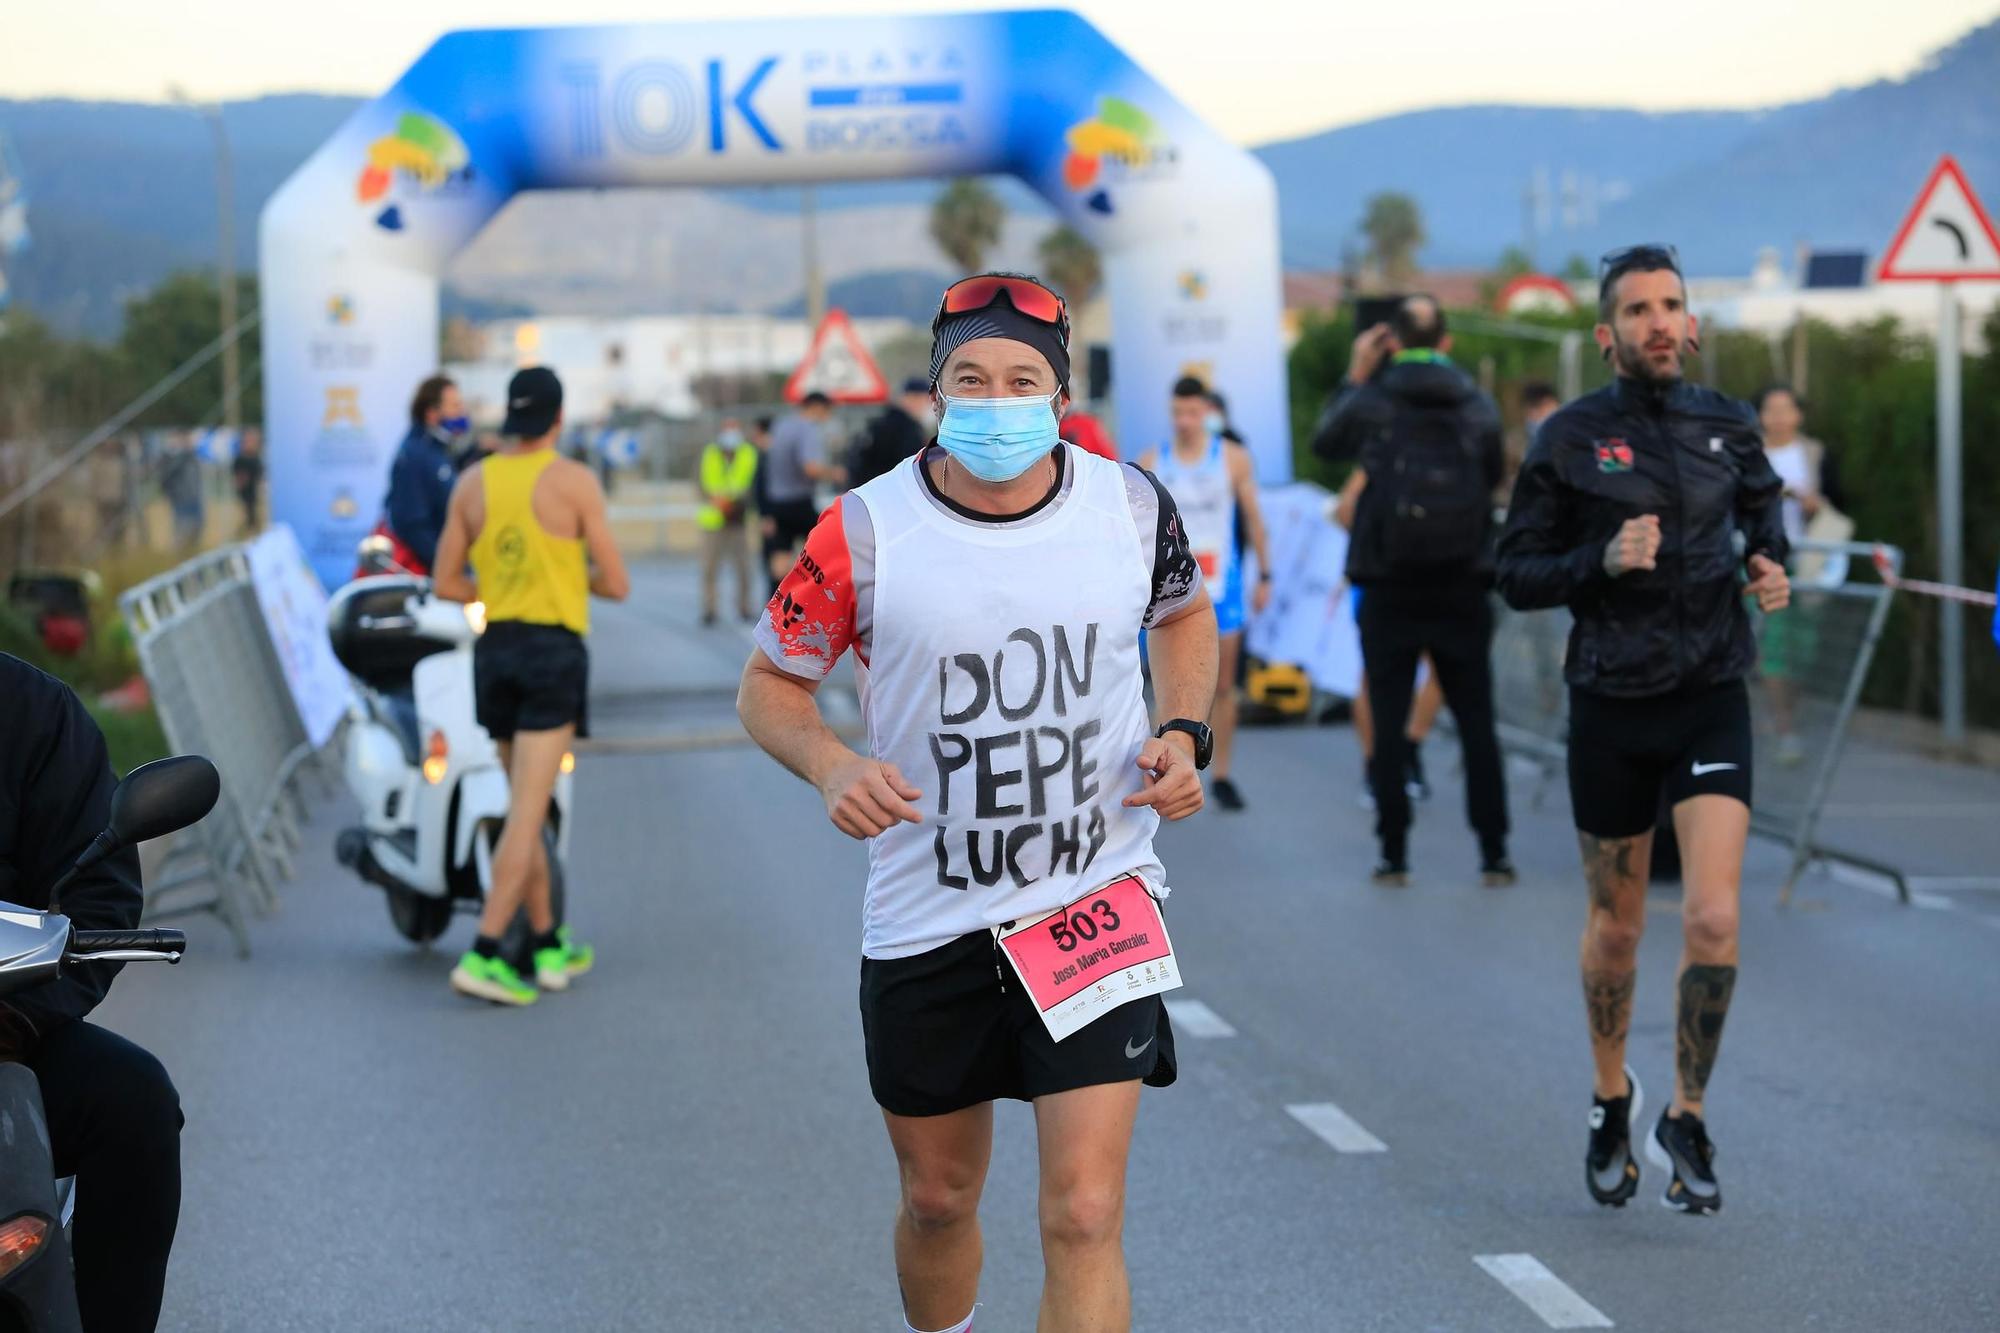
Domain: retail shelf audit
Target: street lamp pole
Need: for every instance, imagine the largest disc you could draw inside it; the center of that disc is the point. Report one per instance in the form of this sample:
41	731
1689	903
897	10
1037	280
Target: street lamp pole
225	209
815	277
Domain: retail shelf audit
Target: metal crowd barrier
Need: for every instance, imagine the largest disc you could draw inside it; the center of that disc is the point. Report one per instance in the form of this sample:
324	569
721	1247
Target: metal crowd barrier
220	691
1813	660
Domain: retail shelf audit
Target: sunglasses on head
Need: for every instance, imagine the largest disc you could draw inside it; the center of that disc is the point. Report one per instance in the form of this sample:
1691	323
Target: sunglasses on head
1027	296
1651	255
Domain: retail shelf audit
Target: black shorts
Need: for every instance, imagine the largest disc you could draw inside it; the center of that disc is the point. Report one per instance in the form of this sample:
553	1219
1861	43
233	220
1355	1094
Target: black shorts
943	1033
1625	753
792	521
530	678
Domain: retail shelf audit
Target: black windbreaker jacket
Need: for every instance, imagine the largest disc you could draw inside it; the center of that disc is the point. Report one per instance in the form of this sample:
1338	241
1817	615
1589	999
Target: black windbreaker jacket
1359	424
55	798
1683	452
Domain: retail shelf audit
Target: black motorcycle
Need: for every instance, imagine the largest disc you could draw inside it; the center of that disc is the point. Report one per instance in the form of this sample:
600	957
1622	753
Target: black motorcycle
37	1285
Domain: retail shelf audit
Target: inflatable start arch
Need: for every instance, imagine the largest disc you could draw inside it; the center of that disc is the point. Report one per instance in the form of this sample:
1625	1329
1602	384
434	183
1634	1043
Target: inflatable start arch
353	244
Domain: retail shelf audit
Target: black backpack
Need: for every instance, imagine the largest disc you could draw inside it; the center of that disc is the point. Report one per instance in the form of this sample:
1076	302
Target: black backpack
1436	507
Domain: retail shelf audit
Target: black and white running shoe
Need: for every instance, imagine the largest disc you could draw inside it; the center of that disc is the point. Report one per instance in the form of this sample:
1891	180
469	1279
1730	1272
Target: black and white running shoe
1608	1167
1680	1144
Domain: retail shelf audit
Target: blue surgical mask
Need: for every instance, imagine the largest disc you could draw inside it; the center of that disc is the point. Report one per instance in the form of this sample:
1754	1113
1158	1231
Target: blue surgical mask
454	425
730	438
1215	423
997	439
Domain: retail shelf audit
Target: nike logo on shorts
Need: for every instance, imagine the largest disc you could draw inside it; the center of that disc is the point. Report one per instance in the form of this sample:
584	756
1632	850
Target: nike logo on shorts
1134	1052
1702	770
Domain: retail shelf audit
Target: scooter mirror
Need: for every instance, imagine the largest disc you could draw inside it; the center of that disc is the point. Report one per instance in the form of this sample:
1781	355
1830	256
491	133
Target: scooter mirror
160	797
154	799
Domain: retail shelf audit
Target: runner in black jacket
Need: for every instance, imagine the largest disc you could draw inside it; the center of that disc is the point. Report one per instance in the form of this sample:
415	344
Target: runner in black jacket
1689	457
1627	511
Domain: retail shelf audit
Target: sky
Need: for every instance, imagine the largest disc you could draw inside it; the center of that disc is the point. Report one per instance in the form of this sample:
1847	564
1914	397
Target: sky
1256	69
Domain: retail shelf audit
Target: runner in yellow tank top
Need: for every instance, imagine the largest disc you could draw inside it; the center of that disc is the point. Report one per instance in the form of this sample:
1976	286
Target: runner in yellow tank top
526	518
524	572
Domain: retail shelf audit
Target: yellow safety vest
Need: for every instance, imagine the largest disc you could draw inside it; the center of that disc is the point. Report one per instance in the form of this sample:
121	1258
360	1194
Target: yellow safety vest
725	476
524	573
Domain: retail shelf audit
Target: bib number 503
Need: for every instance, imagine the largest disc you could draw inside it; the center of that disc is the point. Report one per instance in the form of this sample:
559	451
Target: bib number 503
1081	927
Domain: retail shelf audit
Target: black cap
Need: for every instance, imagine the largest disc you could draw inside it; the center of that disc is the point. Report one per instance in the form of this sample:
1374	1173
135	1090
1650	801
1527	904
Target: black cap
534	401
999	320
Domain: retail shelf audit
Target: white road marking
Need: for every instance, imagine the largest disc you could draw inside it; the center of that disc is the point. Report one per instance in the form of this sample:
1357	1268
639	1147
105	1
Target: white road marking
1341	1131
1954	883
1542	1291
1872	881
1192	1018
1938	810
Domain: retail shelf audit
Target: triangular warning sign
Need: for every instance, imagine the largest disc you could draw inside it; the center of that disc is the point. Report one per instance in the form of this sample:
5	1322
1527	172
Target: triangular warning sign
1947	237
838	365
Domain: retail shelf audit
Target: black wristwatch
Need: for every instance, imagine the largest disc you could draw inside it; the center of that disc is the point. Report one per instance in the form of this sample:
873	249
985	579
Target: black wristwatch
1204	739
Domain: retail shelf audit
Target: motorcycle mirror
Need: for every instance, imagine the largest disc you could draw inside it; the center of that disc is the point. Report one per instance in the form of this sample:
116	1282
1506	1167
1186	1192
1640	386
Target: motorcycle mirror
165	795
153	800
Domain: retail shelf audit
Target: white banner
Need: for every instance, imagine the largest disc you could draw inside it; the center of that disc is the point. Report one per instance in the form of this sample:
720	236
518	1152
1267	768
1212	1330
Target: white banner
295	614
1310	619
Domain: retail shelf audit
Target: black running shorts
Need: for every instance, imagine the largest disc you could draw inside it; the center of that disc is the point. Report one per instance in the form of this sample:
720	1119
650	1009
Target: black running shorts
529	678
792	522
945	1031
1625	753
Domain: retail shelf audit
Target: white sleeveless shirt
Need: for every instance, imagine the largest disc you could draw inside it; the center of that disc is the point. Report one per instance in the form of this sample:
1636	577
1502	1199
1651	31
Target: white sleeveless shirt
1003	680
1206	495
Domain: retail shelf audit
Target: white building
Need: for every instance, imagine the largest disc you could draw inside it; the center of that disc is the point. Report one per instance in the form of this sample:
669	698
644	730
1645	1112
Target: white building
1770	301
649	362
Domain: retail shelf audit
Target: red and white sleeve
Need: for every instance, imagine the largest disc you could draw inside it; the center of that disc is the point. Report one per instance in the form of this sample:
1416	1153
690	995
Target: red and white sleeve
810	621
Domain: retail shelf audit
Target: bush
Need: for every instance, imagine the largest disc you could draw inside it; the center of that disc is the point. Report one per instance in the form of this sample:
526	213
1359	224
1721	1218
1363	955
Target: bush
1871	397
133	738
18	639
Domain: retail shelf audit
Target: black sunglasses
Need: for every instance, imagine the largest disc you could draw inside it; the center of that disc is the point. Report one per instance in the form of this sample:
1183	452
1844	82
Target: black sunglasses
1650	255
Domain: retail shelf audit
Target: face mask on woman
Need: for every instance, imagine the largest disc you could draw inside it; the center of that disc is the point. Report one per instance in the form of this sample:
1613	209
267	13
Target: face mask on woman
997	439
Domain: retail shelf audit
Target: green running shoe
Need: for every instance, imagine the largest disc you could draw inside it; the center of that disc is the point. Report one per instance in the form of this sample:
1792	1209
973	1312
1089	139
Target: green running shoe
555	967
491	979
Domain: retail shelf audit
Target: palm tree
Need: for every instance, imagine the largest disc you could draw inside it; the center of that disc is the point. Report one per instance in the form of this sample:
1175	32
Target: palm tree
1395	230
1070	262
965	221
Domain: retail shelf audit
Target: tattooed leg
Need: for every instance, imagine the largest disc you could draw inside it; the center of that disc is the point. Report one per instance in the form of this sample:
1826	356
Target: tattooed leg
1615	870
1704	1003
1712	830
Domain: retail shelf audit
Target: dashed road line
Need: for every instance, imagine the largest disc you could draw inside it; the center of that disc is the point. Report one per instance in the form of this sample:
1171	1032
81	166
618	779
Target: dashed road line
1547	1295
1341	1131
1192	1018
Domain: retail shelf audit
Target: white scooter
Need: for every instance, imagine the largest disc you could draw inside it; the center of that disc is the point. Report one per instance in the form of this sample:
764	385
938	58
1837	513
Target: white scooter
428	778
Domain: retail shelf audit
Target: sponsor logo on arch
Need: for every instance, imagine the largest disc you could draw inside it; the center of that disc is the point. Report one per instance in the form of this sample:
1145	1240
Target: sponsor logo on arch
1119	145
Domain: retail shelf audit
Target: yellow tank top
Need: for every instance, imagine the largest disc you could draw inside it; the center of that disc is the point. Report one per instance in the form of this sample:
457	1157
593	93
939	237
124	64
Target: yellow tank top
524	573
